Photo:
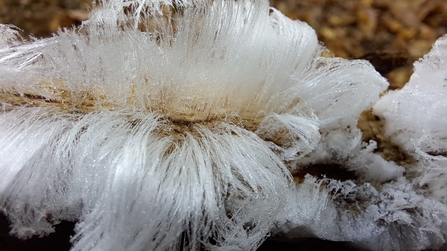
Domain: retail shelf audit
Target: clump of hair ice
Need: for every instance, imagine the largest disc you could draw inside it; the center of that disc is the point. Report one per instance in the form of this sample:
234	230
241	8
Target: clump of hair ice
177	125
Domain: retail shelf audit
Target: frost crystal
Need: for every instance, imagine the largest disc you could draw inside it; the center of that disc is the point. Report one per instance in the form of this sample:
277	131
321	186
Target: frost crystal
168	125
388	206
416	120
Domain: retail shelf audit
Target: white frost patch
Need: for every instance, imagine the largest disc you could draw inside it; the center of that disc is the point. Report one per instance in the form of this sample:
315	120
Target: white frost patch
392	217
387	206
416	120
416	116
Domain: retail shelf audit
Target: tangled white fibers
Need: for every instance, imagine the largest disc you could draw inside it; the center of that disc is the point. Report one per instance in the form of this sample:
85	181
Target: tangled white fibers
176	125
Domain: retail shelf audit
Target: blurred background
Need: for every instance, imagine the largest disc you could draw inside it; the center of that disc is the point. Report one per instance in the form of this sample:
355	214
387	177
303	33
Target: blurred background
391	34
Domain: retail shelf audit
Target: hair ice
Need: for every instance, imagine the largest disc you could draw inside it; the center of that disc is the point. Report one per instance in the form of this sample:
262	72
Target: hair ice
167	124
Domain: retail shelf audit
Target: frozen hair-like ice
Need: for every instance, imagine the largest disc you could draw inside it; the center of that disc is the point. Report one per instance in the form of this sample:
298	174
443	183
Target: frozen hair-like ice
145	190
161	125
